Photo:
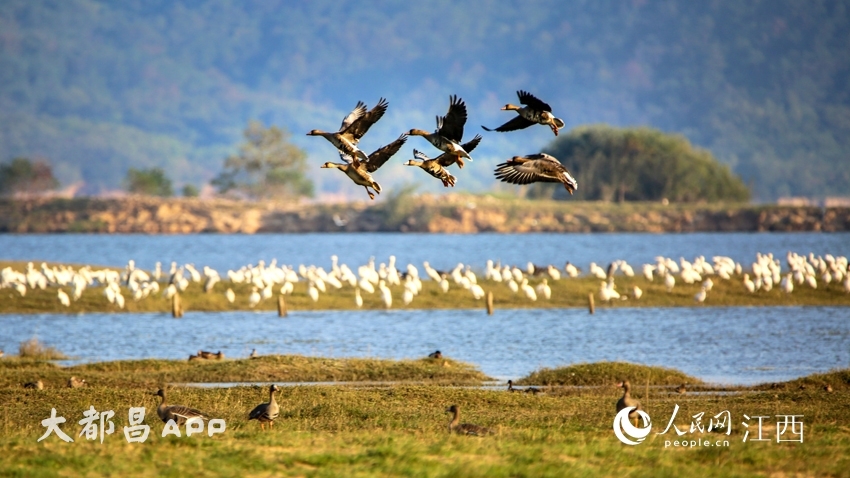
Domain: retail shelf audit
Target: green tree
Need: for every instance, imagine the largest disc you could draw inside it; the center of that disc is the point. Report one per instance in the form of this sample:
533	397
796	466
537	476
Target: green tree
640	164
267	165
150	182
23	176
190	191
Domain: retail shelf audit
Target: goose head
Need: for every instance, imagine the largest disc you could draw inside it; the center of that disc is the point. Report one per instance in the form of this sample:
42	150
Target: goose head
417	132
510	107
315	132
452	409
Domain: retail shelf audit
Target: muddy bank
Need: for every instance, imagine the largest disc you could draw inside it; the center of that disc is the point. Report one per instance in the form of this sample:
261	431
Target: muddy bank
444	214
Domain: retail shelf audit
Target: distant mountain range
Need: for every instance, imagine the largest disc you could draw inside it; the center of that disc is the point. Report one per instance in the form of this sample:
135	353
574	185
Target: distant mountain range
97	87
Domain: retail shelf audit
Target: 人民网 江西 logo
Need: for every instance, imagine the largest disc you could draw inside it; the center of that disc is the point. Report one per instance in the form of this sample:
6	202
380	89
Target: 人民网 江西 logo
624	429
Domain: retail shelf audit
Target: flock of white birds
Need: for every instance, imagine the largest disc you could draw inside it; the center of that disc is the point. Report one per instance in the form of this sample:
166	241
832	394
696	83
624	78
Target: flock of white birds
763	275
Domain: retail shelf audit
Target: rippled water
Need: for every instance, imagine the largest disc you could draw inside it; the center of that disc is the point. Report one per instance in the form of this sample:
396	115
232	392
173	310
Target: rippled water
224	252
733	345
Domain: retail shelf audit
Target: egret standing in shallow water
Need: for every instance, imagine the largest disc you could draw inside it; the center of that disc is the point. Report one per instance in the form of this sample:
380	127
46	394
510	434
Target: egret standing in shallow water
386	295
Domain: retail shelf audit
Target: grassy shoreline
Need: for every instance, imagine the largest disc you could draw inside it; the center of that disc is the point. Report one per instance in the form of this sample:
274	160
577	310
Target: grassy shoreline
565	293
401	430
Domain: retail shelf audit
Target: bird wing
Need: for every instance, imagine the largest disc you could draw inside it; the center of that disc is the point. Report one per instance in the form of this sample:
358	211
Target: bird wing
361	125
185	412
532	101
345	157
420	155
356	113
379	157
530	169
517	123
451	125
258	411
471	144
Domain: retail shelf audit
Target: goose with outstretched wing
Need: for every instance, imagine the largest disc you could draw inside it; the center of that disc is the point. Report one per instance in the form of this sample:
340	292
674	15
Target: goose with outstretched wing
449	131
360	171
535	168
533	112
432	167
353	127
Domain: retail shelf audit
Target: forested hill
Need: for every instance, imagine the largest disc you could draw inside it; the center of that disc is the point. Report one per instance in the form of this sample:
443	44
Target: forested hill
97	87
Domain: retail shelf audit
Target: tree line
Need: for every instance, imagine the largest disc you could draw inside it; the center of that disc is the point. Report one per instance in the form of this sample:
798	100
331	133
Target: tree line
610	164
640	164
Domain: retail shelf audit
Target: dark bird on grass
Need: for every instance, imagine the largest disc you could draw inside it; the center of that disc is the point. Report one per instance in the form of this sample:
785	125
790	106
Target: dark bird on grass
827	388
532	390
37	385
681	390
253	354
435	355
266	412
464	428
511	386
179	413
535	168
627	401
353	127
359	170
449	131
534	112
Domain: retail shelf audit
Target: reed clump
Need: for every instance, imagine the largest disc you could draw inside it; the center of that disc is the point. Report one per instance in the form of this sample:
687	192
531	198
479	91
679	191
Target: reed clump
35	350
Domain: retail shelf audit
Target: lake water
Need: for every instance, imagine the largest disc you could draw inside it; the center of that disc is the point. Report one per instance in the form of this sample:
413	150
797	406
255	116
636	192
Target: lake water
734	345
444	251
725	345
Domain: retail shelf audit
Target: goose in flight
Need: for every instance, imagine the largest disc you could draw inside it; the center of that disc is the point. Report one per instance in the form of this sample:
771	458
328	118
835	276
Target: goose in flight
535	111
535	168
353	127
436	167
432	167
359	170
449	131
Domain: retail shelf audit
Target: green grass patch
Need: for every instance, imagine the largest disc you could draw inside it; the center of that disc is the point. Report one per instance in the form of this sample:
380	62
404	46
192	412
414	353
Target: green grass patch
607	373
270	368
402	430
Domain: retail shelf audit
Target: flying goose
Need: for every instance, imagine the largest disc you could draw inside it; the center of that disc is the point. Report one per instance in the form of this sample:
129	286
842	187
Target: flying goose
449	131
464	428
535	168
432	167
266	412
627	401
179	413
535	111
353	127
359	170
